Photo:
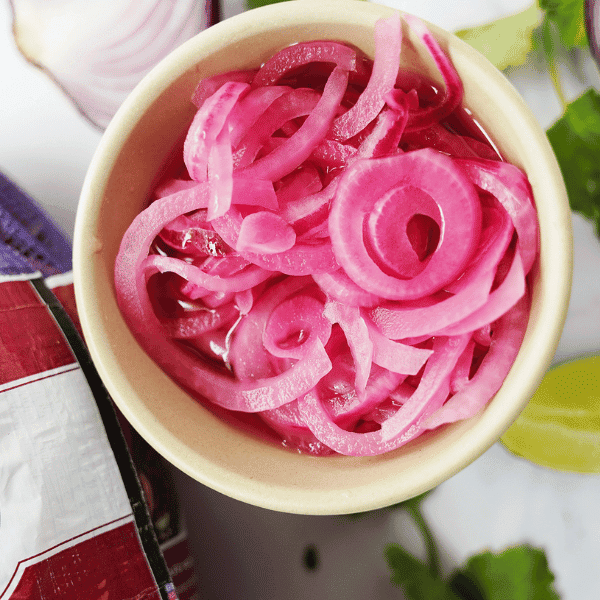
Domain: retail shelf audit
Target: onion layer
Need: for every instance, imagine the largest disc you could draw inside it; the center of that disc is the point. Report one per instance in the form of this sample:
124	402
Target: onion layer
366	183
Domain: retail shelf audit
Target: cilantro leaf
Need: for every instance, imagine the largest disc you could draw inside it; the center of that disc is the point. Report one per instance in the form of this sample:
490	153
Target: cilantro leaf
569	18
575	139
505	42
519	573
415	578
464	587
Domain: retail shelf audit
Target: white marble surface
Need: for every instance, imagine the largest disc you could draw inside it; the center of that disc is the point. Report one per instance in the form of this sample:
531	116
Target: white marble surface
247	552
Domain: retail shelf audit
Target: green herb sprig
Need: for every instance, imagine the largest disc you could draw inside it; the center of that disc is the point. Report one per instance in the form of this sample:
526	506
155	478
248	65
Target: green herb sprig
517	573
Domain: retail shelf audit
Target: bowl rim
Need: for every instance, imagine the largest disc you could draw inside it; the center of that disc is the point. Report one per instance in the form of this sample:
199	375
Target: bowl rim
490	425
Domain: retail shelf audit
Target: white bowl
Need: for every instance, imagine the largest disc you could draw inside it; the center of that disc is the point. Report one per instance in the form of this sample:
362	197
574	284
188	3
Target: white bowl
117	186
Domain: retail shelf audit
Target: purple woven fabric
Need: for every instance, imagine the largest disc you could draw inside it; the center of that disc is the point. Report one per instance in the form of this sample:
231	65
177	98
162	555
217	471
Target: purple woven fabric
29	232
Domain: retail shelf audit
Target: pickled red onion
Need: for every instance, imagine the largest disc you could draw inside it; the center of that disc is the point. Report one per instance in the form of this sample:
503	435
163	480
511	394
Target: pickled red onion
300	259
296	149
292	324
220	175
265	232
399	428
406	320
336	257
305	53
197	322
452	95
340	287
207	125
287	106
238	282
366	181
357	336
510	186
388	41
506	341
503	298
208	86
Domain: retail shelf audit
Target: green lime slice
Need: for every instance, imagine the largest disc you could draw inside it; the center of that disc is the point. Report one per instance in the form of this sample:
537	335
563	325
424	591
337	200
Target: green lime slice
560	427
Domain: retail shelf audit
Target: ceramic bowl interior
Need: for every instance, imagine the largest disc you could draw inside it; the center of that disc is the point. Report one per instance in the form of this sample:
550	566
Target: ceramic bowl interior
135	147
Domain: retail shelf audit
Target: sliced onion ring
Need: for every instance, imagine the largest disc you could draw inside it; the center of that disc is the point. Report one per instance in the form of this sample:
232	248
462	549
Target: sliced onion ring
365	182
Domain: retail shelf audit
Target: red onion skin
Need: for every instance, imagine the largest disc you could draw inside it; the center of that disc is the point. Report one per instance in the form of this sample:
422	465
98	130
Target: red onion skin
592	27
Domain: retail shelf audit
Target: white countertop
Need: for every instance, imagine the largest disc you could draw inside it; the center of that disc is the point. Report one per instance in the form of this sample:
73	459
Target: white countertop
247	552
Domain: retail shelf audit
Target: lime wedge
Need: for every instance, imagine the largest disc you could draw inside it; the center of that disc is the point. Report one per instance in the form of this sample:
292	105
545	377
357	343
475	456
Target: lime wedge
560	427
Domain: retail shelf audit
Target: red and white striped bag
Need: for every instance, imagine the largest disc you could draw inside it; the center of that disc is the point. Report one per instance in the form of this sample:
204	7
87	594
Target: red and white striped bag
87	508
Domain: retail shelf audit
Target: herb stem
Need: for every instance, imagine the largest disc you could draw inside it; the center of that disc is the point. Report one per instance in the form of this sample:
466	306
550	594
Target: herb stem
558	88
433	559
550	43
